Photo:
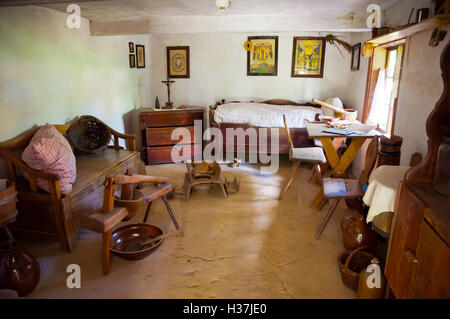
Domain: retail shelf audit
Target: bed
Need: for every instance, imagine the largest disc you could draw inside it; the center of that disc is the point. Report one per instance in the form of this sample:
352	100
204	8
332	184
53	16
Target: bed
267	114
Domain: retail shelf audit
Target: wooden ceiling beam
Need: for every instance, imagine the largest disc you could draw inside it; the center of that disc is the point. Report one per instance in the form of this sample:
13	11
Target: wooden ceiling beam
15	3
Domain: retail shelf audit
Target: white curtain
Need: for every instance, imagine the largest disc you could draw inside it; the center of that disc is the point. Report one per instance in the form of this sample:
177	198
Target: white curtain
381	101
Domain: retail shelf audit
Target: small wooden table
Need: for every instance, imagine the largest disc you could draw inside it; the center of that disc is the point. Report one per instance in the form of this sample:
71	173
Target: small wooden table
330	143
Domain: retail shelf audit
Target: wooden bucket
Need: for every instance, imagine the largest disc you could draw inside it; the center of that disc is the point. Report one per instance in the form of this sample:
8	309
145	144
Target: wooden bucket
388	158
389	153
8	195
391	145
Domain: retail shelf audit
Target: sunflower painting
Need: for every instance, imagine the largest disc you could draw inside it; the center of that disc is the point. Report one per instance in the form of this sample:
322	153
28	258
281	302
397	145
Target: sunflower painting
262	58
308	57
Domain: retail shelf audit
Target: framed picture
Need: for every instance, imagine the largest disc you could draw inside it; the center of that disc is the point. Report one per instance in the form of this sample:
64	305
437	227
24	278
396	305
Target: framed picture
308	57
262	59
356	57
140	56
131	47
132	61
178	62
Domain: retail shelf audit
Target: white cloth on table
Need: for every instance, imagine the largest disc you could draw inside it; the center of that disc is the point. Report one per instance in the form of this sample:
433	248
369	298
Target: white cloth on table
382	190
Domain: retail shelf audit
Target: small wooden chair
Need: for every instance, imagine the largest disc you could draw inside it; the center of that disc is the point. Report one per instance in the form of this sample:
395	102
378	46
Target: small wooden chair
339	188
312	155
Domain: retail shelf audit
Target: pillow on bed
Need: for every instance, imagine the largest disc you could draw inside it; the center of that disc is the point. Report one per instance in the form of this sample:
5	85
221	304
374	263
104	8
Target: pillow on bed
50	152
333	101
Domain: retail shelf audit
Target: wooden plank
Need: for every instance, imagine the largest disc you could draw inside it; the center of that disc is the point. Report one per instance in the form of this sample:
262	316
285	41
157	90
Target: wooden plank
439	20
14	3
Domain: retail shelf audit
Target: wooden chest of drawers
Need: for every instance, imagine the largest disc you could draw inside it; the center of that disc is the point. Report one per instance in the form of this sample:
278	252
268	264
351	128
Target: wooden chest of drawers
418	261
156	132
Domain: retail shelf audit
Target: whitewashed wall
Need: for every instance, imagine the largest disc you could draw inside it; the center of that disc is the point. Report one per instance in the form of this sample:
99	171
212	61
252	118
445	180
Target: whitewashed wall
219	70
50	73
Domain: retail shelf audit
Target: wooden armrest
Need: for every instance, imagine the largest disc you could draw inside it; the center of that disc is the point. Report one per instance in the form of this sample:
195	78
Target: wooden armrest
30	171
13	161
130	138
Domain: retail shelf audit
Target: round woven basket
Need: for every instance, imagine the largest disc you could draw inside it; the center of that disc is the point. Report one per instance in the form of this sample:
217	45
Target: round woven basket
351	262
89	135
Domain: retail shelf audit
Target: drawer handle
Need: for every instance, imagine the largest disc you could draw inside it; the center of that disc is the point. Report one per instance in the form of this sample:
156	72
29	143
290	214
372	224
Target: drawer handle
411	257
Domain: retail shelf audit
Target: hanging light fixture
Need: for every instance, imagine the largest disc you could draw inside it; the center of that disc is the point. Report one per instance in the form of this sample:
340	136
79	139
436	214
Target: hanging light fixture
222	5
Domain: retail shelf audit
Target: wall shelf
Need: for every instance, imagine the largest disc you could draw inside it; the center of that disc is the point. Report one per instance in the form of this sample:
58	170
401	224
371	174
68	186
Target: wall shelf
440	20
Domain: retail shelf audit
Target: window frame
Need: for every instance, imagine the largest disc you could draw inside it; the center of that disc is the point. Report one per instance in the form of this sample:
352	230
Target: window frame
372	76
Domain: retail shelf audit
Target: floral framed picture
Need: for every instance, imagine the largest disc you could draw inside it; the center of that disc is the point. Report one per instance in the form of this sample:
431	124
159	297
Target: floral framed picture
262	56
356	57
308	57
131	47
178	62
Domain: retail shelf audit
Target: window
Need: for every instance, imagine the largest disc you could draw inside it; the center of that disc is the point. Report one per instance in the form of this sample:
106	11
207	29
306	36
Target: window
382	88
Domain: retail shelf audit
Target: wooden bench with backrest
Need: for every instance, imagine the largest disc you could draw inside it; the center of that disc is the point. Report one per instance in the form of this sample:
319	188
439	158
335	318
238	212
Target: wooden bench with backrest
56	216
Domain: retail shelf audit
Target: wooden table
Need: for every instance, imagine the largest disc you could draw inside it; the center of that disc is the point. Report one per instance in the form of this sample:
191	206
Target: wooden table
330	143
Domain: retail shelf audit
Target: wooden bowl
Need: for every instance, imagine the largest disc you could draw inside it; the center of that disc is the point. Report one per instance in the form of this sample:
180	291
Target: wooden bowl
132	205
126	235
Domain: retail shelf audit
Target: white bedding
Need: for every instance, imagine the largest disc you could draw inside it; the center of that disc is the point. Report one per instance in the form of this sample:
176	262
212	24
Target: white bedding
265	115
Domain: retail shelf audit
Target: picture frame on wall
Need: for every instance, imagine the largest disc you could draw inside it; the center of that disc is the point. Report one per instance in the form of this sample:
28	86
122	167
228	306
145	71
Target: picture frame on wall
262	58
308	57
140	56
131	47
178	62
356	57
132	59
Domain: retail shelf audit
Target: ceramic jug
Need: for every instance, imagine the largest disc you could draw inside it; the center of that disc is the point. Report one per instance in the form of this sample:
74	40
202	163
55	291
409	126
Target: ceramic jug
371	288
19	271
357	233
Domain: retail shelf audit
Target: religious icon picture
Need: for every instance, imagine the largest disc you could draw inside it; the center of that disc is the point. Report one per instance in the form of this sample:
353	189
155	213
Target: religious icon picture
308	57
132	59
178	62
356	57
131	47
262	56
140	56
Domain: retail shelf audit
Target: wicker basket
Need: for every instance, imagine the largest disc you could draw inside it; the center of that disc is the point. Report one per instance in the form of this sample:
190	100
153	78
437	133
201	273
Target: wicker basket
89	135
351	262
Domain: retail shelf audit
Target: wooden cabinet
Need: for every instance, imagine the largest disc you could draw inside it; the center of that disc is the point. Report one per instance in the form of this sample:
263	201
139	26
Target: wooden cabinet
156	131
418	261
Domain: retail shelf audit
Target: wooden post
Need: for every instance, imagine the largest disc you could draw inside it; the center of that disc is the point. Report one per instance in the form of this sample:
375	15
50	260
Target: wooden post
108	197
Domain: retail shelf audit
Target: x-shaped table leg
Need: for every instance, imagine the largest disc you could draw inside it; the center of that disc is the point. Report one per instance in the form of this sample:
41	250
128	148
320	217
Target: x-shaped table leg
339	165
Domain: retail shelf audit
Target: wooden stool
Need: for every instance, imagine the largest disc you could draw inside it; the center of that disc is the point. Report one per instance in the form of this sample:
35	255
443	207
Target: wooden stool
190	180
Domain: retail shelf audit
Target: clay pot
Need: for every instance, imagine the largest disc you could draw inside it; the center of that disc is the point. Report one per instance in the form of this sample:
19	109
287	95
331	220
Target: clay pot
357	233
19	271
